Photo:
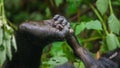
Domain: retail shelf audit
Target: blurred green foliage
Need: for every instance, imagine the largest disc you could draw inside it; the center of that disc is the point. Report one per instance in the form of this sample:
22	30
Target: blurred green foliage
7	38
96	25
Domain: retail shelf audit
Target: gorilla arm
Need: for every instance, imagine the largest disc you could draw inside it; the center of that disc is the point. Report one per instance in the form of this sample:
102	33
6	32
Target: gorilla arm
85	56
32	37
81	52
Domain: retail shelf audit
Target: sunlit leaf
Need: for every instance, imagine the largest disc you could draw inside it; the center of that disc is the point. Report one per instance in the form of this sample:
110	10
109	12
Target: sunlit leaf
8	48
112	42
57	44
94	25
8	44
68	52
1	22
82	65
2	53
102	6
114	24
79	28
1	35
57	49
73	24
57	60
14	43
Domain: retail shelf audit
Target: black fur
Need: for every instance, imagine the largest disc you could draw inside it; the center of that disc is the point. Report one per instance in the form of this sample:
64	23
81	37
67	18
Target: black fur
114	56
32	37
112	61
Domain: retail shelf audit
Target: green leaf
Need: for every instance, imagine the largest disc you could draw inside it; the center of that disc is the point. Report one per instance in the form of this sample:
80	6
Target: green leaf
21	16
116	3
103	48
8	48
102	5
1	35
58	2
114	24
57	60
94	25
79	28
1	22
73	24
112	41
14	43
57	49
71	9
57	44
82	65
2	53
47	12
79	40
78	2
36	16
8	45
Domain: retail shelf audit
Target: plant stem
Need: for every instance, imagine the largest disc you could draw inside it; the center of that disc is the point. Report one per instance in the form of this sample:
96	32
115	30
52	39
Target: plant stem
100	18
110	6
91	39
0	8
3	13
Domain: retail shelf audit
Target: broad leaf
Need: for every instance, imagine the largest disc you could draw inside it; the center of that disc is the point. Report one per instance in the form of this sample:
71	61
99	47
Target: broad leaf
79	28
57	60
2	53
102	6
8	48
82	65
1	23
112	42
114	24
14	43
94	25
1	35
57	44
57	49
8	44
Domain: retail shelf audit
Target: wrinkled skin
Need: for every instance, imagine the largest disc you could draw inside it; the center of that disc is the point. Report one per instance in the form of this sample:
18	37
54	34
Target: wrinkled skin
32	37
